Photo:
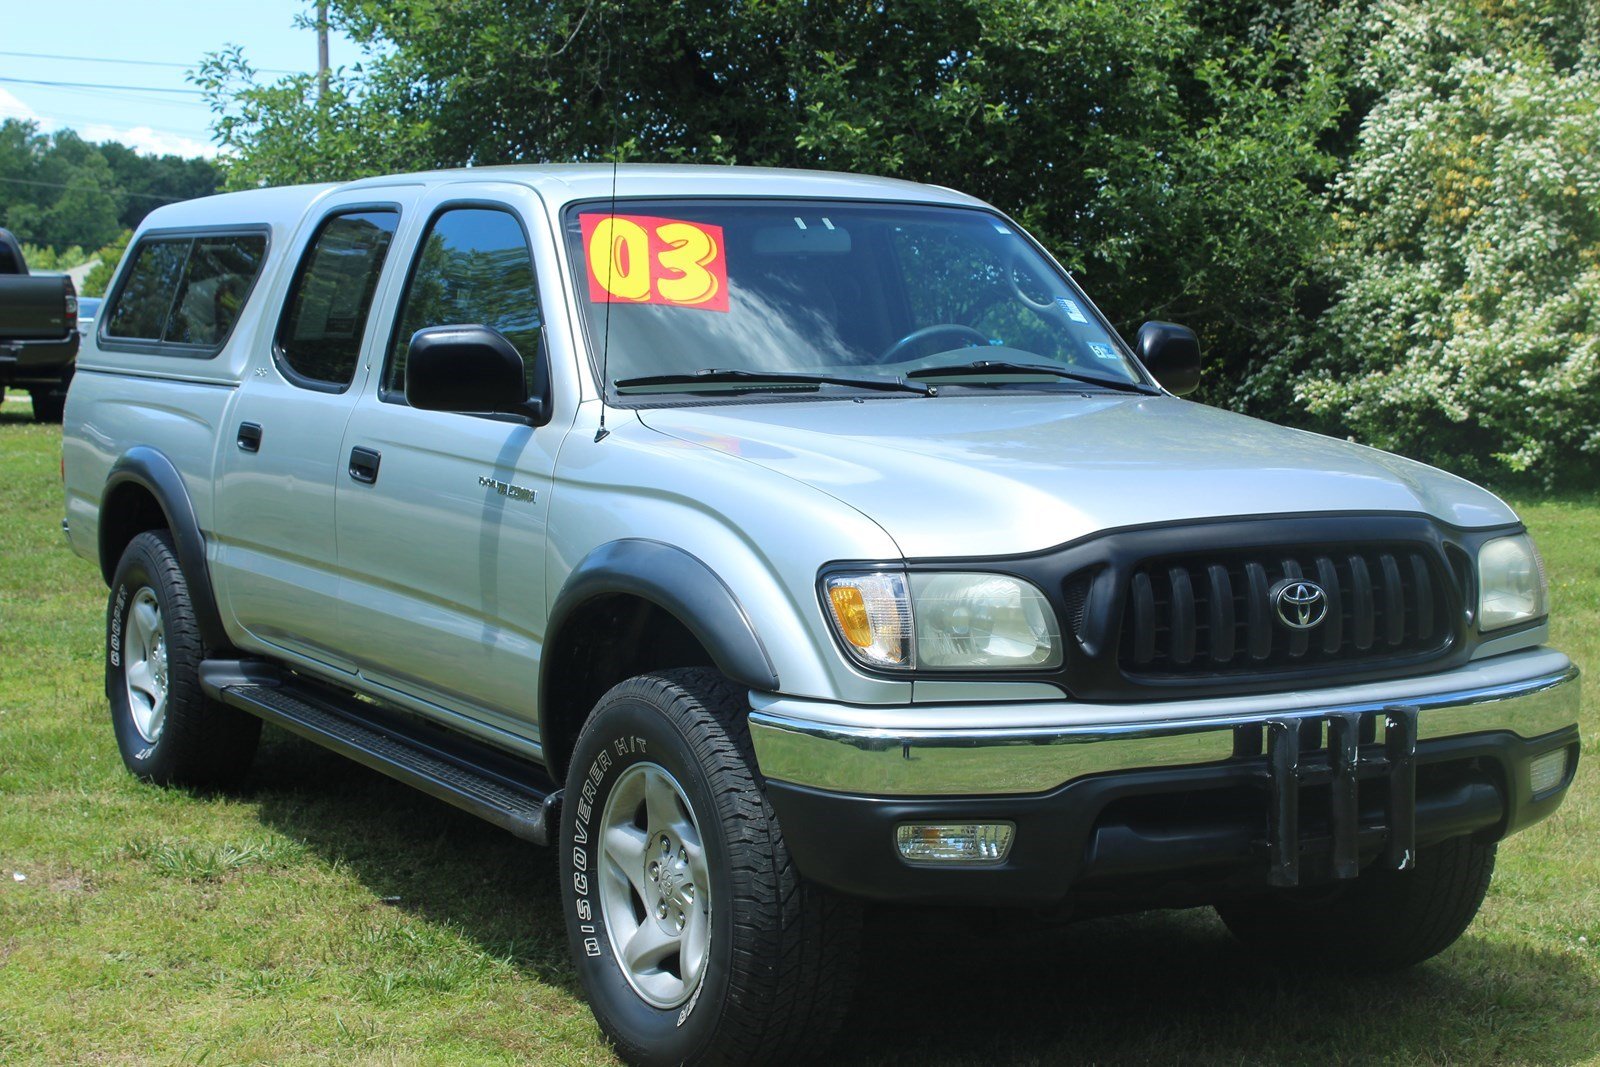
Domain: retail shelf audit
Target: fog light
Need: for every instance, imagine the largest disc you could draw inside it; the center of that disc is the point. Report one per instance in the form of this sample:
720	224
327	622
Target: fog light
981	842
1547	771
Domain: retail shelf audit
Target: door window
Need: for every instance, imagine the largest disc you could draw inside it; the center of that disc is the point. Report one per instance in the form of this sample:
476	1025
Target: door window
473	267
325	318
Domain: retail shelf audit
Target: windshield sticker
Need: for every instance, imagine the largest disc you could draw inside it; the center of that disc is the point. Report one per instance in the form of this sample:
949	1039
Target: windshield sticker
641	259
1104	352
1071	308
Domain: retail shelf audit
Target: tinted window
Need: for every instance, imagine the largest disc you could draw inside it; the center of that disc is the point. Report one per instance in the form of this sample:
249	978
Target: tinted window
145	297
186	290
320	338
213	287
473	267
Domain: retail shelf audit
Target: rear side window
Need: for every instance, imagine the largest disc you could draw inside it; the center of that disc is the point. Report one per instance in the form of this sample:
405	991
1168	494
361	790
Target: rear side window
186	292
212	289
325	318
473	267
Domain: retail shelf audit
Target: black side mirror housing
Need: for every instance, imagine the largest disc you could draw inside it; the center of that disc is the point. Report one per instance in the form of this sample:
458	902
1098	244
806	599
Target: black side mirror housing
1171	353
469	368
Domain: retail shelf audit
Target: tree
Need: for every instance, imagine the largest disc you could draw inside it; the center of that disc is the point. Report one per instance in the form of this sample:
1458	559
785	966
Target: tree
59	190
147	182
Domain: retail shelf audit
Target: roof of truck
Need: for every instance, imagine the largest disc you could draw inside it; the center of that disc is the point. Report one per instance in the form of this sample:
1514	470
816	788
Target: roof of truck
564	183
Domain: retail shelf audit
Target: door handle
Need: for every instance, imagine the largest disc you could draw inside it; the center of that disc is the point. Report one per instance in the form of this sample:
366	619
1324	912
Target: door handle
364	464
249	437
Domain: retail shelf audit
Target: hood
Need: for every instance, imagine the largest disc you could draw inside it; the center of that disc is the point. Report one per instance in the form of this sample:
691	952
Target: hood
1001	475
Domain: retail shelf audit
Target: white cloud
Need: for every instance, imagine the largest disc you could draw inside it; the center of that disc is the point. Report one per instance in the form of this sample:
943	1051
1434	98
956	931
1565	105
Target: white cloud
146	139
13	108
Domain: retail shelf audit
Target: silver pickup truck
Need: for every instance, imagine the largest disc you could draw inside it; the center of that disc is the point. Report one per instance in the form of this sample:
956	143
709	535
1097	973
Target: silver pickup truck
772	541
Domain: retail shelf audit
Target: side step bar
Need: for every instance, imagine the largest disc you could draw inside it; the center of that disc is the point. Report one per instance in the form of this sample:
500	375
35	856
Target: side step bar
511	794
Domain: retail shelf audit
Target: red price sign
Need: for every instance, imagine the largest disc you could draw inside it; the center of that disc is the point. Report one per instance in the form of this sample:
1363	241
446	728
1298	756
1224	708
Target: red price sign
640	259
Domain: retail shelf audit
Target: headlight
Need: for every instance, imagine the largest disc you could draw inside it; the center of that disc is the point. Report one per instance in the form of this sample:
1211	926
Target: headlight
1511	583
944	621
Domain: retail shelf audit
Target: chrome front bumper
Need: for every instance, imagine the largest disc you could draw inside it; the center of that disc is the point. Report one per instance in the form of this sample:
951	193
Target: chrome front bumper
1011	749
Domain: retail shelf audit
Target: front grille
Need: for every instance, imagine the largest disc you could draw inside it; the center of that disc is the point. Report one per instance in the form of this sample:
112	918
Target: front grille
1191	617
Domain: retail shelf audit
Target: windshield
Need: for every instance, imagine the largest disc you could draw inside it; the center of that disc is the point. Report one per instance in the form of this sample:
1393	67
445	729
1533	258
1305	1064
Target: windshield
843	290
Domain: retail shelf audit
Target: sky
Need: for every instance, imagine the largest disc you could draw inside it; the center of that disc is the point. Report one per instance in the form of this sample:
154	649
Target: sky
137	34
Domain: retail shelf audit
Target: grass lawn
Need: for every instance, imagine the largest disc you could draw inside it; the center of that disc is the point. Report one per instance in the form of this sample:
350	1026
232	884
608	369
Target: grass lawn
323	914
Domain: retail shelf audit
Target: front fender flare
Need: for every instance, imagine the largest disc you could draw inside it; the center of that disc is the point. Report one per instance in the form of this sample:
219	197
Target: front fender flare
153	472
678	583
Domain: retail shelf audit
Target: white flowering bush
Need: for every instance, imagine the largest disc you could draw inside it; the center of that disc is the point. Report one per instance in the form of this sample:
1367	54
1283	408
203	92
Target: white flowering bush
1465	325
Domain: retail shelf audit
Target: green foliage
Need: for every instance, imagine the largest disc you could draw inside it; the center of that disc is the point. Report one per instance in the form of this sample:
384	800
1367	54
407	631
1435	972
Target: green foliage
1466	328
106	260
58	190
286	133
47	260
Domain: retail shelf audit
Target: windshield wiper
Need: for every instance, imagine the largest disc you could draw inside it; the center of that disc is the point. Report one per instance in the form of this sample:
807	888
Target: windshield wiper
1000	368
759	379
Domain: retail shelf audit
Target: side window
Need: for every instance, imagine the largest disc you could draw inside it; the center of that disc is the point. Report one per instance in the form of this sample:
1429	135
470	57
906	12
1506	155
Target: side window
140	311
473	267
186	291
211	294
319	338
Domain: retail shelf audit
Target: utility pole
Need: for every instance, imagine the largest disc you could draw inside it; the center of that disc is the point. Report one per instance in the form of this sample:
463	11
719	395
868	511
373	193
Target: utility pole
322	50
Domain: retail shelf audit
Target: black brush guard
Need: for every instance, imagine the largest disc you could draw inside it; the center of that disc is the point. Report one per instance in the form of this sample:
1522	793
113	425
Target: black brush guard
1342	766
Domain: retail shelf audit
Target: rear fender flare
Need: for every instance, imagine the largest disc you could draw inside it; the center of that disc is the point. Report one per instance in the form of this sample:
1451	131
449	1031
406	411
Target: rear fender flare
152	471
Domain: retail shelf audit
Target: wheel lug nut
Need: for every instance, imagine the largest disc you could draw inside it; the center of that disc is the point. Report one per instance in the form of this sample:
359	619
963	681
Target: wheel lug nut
683	855
661	909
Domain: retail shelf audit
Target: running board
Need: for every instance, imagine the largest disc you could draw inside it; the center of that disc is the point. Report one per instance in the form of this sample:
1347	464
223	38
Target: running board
510	793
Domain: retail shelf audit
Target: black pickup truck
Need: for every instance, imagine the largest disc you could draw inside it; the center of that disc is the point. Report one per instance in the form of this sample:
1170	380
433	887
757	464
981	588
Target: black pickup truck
38	331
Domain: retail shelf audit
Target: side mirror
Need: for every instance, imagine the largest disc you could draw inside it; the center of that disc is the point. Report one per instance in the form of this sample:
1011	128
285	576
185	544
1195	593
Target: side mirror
469	368
1171	353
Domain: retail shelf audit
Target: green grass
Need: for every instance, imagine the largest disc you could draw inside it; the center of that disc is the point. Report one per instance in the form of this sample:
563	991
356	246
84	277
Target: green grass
323	914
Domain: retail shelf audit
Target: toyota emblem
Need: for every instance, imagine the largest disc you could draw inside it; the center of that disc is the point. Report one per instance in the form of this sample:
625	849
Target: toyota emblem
1300	604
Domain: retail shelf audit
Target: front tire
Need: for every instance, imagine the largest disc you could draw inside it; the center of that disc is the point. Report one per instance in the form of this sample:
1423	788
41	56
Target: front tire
696	940
1383	921
167	729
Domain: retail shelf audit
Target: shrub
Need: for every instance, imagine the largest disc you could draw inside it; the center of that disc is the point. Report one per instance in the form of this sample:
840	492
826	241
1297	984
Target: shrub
1465	329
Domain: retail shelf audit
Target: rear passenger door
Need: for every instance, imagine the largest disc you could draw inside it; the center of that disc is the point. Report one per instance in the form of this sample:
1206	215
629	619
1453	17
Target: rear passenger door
442	539
280	463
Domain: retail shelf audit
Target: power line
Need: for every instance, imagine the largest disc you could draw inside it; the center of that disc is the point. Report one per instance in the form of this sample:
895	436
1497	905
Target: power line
99	95
63	185
101	85
133	62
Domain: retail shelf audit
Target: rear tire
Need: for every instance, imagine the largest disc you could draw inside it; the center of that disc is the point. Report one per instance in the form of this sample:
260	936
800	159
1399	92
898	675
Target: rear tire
167	729
664	821
1383	921
48	407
